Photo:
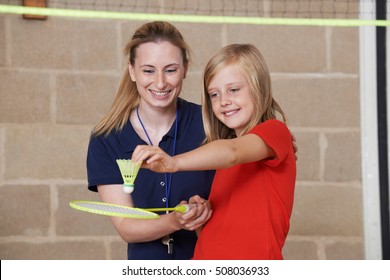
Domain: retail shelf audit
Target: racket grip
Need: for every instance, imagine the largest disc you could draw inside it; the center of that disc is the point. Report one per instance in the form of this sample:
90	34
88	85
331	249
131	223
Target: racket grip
183	208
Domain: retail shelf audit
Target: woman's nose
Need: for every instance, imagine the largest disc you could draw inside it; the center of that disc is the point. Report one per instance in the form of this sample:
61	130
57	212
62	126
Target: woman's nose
161	82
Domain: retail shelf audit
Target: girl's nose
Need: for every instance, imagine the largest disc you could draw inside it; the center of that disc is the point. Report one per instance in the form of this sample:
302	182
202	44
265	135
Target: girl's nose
225	99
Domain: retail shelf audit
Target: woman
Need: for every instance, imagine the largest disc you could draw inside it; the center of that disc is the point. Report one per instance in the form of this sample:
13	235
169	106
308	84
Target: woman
147	110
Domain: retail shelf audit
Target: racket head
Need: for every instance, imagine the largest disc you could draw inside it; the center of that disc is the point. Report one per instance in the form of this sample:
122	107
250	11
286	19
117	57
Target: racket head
113	210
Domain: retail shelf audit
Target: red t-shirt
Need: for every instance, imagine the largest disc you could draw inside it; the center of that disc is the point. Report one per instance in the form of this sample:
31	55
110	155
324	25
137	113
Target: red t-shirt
252	203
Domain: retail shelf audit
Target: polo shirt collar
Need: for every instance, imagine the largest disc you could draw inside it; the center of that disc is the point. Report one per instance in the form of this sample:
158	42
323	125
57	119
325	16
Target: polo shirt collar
129	138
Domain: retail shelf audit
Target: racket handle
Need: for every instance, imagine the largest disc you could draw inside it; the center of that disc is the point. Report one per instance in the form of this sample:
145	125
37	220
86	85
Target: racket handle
128	188
184	208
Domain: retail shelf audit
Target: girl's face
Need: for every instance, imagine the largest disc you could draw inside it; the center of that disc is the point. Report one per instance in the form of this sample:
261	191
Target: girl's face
230	98
158	72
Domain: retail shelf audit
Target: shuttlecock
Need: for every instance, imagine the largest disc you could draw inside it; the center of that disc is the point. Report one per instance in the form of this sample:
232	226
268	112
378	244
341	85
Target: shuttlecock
129	171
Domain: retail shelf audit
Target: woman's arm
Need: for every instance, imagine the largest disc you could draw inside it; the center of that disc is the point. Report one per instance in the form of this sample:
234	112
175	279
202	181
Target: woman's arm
217	154
138	230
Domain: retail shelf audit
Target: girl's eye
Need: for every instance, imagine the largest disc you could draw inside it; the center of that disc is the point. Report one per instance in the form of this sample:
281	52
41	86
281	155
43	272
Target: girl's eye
233	90
213	94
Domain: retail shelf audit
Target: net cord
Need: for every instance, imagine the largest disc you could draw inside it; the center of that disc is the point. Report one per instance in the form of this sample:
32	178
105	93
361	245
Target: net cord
13	9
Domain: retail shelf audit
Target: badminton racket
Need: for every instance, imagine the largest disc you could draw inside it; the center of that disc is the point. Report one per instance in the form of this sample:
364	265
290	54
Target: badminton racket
114	210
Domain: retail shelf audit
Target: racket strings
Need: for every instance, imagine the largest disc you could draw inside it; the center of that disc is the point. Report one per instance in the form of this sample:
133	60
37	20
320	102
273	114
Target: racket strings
111	210
114	210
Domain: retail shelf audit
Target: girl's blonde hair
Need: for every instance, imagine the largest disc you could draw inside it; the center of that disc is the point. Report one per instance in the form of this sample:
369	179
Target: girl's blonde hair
253	66
127	97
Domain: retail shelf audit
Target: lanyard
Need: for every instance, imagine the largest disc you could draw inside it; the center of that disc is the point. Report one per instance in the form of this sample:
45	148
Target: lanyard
167	176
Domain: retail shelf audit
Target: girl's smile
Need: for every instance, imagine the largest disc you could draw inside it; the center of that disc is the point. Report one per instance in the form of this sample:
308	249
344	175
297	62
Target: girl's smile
230	112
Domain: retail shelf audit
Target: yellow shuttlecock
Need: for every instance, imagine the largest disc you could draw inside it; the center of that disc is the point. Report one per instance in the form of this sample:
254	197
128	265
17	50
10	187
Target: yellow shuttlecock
129	171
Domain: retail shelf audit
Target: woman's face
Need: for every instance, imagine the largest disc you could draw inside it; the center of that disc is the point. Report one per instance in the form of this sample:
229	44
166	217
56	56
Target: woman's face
158	71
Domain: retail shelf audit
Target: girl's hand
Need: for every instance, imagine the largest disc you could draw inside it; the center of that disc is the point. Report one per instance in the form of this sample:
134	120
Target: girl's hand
154	158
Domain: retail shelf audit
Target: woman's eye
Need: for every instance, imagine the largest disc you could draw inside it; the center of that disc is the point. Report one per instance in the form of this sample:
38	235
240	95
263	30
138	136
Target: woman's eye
172	70
148	71
233	90
213	94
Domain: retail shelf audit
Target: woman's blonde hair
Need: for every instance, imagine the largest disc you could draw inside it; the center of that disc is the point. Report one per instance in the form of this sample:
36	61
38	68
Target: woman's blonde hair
127	97
253	66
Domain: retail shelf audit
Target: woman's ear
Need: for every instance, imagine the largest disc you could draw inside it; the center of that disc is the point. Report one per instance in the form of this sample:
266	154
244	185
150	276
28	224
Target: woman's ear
131	72
185	70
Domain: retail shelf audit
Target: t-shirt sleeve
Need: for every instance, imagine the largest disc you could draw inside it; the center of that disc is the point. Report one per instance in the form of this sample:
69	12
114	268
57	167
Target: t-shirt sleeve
102	168
277	136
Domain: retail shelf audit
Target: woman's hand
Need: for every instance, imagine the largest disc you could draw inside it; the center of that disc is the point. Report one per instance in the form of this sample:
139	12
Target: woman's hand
199	213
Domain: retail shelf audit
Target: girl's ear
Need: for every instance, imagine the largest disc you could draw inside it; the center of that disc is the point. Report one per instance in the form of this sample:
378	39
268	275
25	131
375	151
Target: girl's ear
131	71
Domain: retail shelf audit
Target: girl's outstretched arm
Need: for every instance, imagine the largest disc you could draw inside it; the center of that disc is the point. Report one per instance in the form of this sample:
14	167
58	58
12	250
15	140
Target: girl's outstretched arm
217	154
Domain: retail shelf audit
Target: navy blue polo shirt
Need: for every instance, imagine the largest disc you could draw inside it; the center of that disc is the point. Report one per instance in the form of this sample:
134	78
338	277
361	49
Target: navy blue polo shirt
150	187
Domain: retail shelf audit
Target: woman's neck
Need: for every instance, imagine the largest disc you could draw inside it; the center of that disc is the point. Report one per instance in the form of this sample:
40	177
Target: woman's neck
152	122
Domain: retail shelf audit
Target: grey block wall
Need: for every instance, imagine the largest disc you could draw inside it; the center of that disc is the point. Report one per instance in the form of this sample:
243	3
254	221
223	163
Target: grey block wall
59	76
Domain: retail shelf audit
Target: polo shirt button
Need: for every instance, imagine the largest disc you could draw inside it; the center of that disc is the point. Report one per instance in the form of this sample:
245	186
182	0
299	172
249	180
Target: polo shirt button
164	199
162	183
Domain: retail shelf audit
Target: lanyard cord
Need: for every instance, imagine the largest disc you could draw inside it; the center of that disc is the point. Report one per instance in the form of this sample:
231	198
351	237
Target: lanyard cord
167	177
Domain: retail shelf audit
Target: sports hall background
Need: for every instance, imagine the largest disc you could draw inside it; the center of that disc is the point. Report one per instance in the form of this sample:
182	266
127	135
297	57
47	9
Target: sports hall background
58	77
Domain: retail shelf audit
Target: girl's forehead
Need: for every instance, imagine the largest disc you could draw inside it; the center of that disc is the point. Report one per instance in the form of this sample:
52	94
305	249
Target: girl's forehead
231	72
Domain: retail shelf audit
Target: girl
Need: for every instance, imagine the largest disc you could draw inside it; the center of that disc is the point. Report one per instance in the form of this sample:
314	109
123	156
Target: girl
253	189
